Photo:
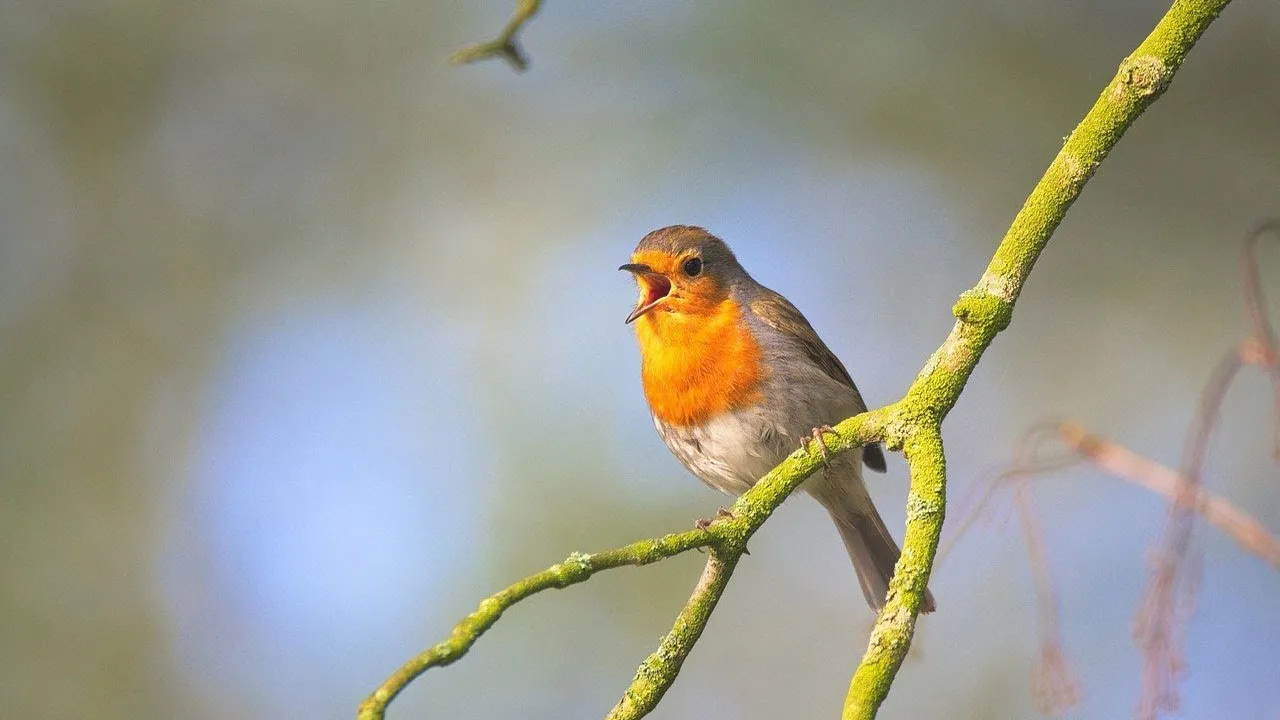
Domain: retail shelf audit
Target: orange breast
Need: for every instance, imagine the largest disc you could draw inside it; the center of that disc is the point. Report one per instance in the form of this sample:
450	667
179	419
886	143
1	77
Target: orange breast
696	366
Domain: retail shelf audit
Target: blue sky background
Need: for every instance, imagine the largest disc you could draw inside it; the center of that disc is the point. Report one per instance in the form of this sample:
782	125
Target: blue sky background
309	342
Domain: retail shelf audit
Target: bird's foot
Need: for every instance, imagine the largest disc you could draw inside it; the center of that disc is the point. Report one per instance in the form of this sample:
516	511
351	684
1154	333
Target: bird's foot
816	436
704	524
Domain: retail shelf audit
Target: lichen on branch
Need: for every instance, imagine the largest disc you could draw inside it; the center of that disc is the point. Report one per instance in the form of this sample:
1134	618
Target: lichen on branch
985	311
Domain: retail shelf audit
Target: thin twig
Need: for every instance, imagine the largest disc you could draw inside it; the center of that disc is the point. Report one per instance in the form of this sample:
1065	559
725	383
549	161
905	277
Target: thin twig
726	537
1123	463
505	45
1266	354
1170	595
659	670
577	568
1053	684
1027	461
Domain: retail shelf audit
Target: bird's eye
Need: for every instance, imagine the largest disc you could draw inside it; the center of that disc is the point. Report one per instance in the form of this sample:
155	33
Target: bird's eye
693	266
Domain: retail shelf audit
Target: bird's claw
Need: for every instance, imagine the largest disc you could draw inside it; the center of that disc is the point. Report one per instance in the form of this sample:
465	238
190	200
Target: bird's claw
816	436
704	524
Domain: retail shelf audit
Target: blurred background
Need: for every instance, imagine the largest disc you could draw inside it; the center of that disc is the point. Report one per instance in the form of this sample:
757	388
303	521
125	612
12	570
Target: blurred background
308	341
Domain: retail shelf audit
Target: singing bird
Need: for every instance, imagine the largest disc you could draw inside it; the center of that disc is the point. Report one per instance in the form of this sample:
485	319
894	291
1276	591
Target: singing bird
736	379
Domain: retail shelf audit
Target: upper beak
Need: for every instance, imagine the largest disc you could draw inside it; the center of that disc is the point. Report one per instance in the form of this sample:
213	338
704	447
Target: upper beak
655	284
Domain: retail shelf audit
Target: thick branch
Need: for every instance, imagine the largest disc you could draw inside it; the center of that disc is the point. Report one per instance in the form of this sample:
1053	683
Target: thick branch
505	45
895	626
986	310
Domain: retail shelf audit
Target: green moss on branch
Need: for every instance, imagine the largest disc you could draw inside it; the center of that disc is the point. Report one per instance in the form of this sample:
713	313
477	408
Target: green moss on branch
986	310
577	568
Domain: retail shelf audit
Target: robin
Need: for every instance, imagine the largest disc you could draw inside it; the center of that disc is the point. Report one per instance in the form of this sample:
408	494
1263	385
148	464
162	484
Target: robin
736	379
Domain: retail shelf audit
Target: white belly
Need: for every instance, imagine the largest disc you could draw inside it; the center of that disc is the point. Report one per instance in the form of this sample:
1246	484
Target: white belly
731	451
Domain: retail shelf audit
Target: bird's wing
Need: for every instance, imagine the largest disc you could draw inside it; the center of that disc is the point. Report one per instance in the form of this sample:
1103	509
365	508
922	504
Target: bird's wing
778	313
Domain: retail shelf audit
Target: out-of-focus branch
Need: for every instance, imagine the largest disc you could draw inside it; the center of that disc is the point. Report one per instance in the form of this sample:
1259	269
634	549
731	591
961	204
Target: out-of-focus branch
1054	686
1262	351
1143	472
505	45
1053	683
1171	592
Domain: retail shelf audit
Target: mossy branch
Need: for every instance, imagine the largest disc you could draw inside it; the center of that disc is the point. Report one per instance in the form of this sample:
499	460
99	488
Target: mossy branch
578	567
505	45
727	539
912	424
981	313
659	670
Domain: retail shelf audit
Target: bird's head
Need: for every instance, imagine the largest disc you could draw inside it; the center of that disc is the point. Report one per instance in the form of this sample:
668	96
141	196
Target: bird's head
682	270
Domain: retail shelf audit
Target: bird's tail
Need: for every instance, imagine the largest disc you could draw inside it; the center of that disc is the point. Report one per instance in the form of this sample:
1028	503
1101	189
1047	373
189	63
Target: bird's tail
871	547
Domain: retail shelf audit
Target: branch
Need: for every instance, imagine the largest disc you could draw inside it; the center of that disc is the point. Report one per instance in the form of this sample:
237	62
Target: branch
727	539
576	568
505	45
1163	613
1054	685
659	670
1171	593
1263	352
1128	465
986	310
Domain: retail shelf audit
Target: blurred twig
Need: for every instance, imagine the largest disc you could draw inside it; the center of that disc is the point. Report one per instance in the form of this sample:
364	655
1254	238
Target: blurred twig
1262	351
505	45
1170	594
1123	463
1053	684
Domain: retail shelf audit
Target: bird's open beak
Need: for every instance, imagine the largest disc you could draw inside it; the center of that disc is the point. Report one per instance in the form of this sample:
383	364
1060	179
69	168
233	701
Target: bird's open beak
654	286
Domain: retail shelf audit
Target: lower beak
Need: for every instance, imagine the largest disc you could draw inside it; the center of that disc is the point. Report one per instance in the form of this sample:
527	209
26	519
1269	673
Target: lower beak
640	311
656	287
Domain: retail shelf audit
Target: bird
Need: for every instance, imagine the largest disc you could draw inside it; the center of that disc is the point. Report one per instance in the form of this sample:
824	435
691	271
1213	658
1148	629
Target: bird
736	379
